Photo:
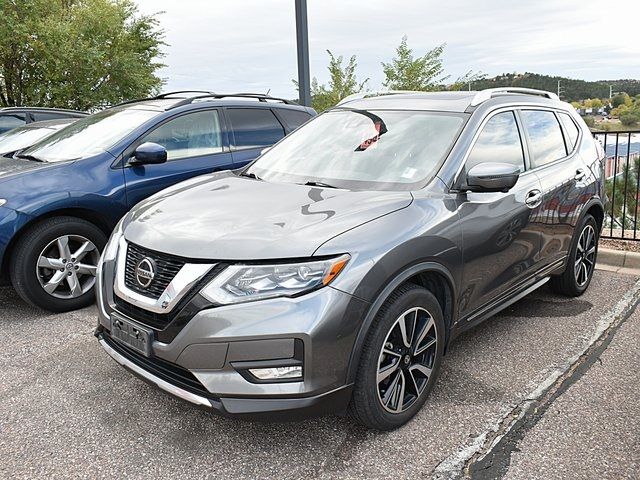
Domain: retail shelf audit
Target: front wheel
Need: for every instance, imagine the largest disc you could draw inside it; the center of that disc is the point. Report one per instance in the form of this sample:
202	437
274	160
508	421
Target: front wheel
54	263
400	359
581	262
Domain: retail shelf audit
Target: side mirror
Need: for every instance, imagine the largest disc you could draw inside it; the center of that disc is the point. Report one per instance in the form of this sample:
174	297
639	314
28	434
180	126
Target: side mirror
149	154
492	177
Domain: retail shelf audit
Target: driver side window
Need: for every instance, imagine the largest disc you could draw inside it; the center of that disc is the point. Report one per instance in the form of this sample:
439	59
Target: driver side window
190	135
499	142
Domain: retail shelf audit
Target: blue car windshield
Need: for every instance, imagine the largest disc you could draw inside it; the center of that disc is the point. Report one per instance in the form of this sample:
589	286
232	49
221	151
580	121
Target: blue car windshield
90	135
363	150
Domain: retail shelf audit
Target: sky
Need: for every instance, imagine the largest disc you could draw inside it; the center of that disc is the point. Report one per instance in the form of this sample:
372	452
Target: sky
250	45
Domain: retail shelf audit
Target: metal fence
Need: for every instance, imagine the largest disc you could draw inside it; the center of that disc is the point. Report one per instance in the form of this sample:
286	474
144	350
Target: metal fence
622	172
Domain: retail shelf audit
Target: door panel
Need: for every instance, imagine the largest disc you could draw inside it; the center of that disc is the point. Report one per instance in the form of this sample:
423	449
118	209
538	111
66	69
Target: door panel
501	236
564	181
195	146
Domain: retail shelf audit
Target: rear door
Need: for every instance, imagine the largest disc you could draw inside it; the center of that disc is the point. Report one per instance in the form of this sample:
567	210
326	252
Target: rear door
196	144
564	177
501	236
252	130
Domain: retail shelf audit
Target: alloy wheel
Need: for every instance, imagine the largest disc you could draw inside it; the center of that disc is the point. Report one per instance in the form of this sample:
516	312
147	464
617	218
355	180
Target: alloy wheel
406	360
67	266
585	255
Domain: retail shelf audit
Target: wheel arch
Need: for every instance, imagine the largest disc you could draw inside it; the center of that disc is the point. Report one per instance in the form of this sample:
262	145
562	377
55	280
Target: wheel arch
433	276
596	209
91	216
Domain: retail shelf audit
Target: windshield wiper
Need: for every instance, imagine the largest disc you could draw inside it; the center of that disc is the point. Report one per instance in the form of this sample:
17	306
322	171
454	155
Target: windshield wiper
250	175
313	183
29	157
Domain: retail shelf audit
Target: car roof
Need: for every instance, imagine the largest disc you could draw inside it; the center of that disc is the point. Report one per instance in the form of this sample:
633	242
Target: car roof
41	109
456	101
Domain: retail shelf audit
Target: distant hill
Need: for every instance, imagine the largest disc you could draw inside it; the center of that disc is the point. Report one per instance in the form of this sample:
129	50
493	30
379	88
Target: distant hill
571	89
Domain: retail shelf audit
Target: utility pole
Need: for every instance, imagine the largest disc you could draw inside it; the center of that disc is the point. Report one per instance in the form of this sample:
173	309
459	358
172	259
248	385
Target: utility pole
302	37
560	90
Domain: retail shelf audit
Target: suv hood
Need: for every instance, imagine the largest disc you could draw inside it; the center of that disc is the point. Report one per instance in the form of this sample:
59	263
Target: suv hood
226	217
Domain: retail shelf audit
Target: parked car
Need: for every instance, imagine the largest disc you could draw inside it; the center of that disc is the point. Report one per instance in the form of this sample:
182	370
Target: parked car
16	140
60	199
12	117
332	273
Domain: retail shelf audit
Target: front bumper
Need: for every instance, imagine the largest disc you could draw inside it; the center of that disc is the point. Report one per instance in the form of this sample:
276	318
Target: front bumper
271	409
206	361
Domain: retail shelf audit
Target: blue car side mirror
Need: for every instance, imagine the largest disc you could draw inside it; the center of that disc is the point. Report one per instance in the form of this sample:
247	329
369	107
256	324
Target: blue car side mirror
149	154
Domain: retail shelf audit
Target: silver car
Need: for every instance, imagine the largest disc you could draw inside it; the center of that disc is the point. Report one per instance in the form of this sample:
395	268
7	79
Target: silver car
331	273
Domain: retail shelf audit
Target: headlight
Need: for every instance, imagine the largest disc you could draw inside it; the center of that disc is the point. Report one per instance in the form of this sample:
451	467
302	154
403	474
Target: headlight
242	283
111	249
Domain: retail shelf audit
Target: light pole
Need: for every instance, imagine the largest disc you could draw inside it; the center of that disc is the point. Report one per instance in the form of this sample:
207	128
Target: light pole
302	36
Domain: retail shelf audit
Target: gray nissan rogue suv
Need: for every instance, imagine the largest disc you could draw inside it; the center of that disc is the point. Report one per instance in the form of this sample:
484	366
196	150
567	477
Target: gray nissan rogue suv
331	273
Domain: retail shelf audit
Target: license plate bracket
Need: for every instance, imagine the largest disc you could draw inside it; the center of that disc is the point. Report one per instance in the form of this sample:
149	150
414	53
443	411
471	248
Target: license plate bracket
132	335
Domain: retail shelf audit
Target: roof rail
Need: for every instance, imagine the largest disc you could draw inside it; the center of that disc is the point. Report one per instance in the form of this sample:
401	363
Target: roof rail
379	93
484	95
160	96
258	96
177	92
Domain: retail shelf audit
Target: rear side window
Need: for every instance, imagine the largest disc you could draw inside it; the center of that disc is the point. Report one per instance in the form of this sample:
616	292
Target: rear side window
9	121
571	129
293	118
190	135
499	141
41	116
254	127
545	137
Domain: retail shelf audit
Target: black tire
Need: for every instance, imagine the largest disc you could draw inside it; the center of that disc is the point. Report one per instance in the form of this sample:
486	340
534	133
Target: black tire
567	283
24	261
366	405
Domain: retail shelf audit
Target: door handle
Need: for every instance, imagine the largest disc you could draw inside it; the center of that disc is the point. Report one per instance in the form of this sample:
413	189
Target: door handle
534	198
580	174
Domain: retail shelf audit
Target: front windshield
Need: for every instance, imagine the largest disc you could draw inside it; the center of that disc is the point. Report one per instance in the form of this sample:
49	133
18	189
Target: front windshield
22	137
363	149
90	135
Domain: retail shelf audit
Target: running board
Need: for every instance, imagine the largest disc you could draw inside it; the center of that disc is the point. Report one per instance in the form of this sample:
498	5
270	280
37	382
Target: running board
490	311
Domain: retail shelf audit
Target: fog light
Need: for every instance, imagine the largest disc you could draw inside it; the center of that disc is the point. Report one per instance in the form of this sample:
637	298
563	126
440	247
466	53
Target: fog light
277	373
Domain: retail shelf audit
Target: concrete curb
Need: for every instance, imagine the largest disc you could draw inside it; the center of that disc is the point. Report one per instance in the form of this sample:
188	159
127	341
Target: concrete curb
618	260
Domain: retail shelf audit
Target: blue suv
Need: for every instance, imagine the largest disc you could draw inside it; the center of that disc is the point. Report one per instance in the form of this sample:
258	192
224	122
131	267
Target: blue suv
60	199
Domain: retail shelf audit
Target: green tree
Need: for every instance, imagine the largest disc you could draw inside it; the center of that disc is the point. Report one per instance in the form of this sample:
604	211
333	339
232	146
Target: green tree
467	80
76	53
624	204
342	83
621	99
405	72
630	119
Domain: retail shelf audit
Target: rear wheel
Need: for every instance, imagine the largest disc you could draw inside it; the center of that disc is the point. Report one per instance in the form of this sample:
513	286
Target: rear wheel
575	280
54	264
400	359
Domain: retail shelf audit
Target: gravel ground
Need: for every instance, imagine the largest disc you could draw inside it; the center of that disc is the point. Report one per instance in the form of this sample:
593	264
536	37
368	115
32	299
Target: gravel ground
67	410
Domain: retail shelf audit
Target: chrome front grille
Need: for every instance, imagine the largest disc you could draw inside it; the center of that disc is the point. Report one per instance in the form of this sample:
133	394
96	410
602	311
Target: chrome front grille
167	268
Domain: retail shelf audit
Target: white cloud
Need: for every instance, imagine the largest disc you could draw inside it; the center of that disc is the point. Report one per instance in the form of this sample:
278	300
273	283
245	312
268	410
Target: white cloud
249	45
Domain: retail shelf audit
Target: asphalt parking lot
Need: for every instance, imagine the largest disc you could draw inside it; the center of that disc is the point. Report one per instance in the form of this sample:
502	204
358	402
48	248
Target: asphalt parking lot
546	389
